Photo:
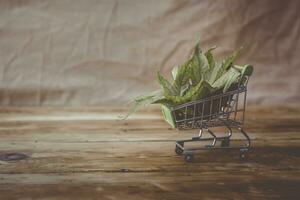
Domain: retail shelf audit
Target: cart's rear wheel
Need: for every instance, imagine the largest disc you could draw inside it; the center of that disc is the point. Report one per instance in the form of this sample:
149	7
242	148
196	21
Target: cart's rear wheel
189	157
243	156
178	150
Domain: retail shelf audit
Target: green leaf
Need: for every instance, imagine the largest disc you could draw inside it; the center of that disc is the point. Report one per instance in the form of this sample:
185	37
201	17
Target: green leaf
210	58
194	64
204	67
144	100
151	95
195	92
230	59
199	66
165	85
175	71
215	72
198	77
232	78
222	67
227	79
175	100
184	89
182	78
203	91
221	81
245	70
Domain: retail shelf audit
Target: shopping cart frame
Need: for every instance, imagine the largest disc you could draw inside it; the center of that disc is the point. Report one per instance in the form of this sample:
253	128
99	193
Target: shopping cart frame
219	110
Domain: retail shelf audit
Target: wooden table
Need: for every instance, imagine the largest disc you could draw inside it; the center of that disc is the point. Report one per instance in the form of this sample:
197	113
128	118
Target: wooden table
88	154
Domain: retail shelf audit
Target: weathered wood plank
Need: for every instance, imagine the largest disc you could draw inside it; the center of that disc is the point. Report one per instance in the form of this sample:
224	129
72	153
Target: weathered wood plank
156	185
89	154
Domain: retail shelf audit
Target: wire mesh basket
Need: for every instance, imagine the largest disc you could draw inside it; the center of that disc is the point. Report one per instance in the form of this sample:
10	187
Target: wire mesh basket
222	109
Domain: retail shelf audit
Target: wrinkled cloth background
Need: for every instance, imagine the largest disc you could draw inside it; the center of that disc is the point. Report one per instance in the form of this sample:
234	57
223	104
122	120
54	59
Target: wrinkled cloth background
94	53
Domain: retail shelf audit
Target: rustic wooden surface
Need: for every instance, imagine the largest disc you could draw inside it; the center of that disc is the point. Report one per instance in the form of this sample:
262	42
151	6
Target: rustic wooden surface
89	154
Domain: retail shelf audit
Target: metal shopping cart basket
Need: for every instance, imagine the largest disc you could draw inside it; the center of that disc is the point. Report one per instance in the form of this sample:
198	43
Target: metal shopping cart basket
220	110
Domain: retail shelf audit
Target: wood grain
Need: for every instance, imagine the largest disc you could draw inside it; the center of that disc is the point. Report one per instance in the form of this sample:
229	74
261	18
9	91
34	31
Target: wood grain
88	153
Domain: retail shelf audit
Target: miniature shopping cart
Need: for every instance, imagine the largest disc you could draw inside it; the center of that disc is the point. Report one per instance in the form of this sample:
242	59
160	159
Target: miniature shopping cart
219	110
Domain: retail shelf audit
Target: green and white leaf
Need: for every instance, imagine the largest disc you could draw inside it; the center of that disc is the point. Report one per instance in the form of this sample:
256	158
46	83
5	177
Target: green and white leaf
199	66
227	79
198	77
215	72
245	70
232	78
210	58
183	73
204	90
176	100
222	67
156	96
230	59
175	71
165	85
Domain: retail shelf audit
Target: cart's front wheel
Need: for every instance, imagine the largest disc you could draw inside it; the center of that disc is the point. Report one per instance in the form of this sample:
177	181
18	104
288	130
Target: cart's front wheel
178	150
189	157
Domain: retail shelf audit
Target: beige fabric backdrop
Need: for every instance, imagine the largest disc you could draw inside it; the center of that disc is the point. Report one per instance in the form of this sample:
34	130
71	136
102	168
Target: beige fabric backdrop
91	53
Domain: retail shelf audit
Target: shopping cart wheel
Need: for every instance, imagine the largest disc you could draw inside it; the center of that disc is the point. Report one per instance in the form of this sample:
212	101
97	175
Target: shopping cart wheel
178	150
225	142
243	155
189	157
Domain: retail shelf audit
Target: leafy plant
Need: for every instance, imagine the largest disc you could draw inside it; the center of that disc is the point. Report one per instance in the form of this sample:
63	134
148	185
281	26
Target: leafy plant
198	77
